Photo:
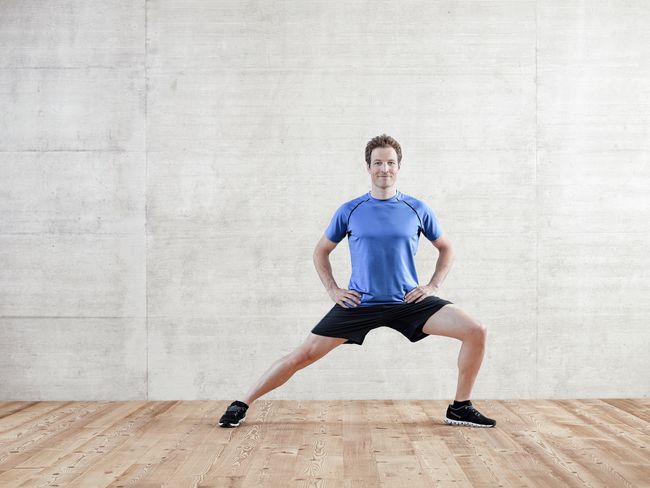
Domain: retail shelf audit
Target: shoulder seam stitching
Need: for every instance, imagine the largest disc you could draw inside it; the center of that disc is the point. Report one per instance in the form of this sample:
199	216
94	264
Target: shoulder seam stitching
416	213
347	225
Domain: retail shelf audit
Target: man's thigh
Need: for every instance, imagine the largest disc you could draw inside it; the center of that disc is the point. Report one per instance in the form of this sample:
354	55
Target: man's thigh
451	321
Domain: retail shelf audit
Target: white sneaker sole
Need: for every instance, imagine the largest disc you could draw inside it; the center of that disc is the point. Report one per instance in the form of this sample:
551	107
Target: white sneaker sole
467	424
232	425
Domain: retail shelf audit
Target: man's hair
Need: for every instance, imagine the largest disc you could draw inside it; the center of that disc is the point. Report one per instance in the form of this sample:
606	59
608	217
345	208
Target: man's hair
383	141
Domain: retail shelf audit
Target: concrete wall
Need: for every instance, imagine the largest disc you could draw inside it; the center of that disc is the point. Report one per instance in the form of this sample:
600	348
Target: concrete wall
168	167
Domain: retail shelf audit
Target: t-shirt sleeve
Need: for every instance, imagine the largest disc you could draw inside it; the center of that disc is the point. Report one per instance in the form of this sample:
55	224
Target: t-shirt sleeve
431	226
338	227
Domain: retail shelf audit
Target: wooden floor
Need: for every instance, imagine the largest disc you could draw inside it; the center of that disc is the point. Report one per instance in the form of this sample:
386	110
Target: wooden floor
369	443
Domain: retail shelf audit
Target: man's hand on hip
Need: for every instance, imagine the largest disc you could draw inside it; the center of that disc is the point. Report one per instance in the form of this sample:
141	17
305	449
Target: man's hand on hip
345	297
419	293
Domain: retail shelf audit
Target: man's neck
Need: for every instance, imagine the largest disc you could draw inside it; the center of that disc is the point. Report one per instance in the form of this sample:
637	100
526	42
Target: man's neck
383	193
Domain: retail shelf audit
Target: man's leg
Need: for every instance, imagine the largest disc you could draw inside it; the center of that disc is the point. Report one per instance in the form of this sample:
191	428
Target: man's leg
452	321
314	348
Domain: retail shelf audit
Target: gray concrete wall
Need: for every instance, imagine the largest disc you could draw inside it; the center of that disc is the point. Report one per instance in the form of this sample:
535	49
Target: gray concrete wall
168	167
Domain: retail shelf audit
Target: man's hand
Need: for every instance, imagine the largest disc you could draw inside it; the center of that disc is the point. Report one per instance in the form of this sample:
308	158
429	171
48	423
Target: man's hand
345	297
419	293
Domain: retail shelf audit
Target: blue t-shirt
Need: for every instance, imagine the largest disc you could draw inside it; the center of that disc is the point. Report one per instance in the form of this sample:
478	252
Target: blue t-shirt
383	237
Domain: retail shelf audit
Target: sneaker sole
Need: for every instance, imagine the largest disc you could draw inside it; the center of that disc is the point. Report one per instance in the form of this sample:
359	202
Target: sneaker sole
228	424
467	424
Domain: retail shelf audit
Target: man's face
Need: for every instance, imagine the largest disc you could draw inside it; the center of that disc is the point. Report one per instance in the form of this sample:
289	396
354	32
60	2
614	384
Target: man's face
383	167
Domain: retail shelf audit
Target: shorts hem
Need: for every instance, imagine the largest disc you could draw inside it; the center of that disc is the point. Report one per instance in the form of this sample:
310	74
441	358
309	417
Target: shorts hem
348	341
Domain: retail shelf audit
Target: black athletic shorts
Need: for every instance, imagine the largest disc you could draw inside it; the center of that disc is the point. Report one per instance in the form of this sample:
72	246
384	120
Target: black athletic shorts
354	323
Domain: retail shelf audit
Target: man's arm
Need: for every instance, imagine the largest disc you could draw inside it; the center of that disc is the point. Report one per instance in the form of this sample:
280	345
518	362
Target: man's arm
445	259
322	262
344	297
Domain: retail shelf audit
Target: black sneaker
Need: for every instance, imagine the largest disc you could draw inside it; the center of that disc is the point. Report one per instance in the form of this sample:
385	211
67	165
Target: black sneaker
234	415
467	415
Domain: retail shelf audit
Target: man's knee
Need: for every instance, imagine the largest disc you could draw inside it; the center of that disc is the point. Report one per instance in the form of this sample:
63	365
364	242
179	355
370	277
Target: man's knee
478	332
301	357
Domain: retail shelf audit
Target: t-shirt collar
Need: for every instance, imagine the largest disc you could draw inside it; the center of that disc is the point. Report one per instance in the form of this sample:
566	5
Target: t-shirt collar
395	197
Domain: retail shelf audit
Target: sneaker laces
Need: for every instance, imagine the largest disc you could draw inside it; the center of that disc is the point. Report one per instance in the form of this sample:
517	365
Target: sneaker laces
476	413
469	409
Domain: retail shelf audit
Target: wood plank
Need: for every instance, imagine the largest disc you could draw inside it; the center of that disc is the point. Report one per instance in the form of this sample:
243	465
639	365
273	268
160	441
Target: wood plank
565	454
16	477
496	450
320	456
27	419
165	431
460	443
424	427
393	446
520	463
541	443
620	459
639	407
359	460
68	441
245	443
12	408
276	454
86	456
23	441
187	435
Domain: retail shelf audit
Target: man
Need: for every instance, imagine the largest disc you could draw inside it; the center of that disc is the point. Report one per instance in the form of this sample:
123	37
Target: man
383	228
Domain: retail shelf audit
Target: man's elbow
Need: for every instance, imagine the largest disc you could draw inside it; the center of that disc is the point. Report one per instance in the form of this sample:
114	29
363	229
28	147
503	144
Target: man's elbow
324	247
446	251
443	245
320	253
